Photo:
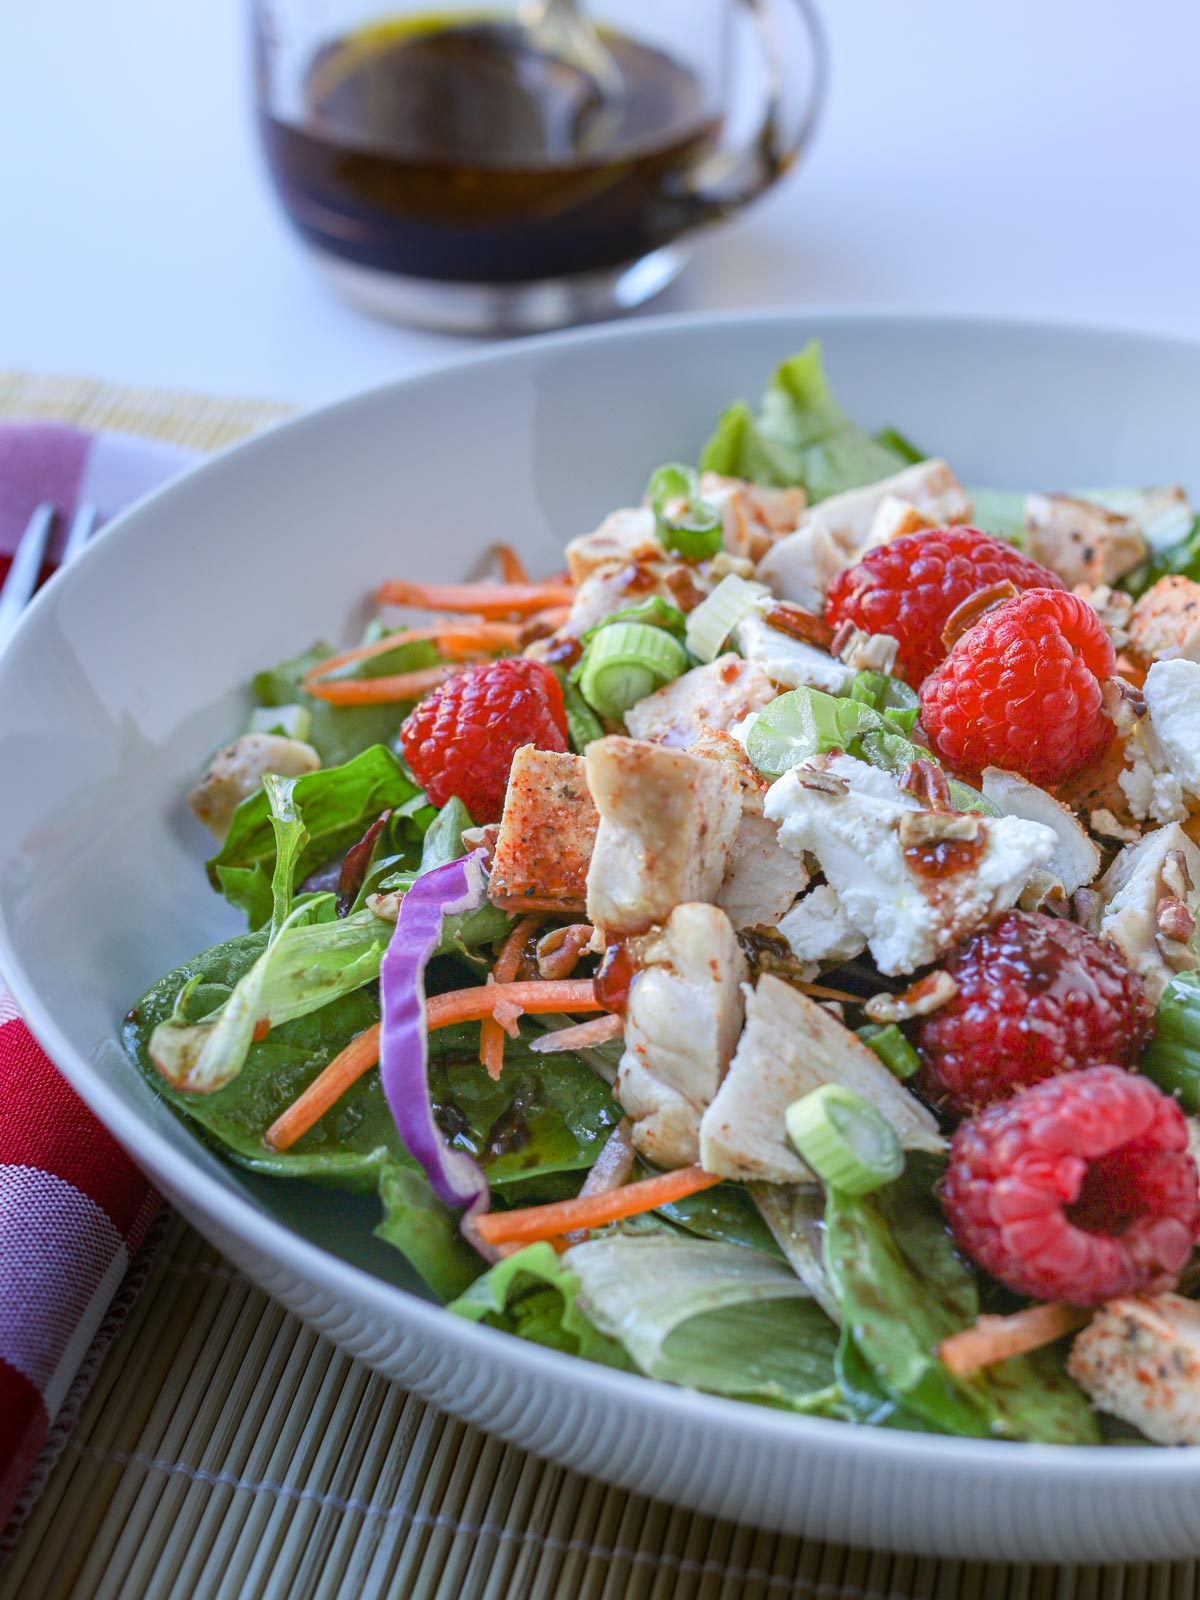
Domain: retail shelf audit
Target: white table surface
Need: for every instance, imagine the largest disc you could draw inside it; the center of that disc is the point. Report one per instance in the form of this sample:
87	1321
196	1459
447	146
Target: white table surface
1033	157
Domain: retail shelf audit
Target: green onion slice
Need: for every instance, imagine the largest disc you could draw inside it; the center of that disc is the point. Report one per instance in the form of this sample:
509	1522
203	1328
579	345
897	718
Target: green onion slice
294	722
655	610
891	696
686	523
892	1048
847	1143
625	662
715	618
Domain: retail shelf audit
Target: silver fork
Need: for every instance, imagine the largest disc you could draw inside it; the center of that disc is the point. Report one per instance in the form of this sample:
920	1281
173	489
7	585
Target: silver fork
31	553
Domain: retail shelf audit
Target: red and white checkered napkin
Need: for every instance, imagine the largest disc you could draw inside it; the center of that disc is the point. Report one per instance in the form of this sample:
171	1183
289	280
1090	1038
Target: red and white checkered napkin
73	1207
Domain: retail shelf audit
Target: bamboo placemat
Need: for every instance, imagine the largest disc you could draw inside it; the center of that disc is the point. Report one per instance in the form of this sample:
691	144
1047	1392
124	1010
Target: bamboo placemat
225	1452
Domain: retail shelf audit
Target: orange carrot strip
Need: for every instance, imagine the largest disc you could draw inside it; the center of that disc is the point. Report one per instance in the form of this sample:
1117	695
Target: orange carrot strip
512	568
582	1036
993	1339
592	1210
488	600
359	1056
380	691
442	1011
491	1034
453	635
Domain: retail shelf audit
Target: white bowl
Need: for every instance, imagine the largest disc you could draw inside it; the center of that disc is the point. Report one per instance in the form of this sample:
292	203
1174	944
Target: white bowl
127	671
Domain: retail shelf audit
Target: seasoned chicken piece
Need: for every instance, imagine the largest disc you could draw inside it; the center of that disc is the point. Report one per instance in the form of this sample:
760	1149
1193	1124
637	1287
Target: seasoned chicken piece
681	1025
818	931
612	588
1166	622
894	519
715	696
762	878
1097	794
789	1046
752	518
624	536
1076	860
1139	1359
1140	890
801	566
667	824
237	772
790	662
726	748
913	882
1081	541
547	834
1172	694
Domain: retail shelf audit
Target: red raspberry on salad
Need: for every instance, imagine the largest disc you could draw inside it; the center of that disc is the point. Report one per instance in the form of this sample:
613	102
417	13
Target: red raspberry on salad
1078	1189
1036	996
460	740
911	587
1022	690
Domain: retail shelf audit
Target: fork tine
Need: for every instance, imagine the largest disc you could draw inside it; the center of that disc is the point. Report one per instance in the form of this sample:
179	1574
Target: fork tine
26	565
83	525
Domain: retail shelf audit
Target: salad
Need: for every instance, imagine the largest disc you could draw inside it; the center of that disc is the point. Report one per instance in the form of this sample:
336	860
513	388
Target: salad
761	956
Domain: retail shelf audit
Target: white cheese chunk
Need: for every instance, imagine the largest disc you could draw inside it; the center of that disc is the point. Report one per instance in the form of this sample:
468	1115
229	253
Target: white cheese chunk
789	662
1076	859
1172	691
1138	879
819	932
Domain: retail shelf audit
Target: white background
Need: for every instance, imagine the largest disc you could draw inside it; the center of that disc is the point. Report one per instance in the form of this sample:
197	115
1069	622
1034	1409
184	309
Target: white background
1017	156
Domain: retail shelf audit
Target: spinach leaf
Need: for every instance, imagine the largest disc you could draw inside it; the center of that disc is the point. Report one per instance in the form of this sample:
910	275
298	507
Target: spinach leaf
903	1289
801	436
339	733
337	805
726	1214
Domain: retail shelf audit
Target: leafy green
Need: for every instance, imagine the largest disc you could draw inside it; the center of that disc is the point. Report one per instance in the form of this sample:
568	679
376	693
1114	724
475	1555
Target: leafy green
583	725
1000	512
655	612
1179	559
801	436
726	1214
710	1316
1172	1058
534	1294
465	932
900	445
337	804
890	696
902	1290
290	838
339	733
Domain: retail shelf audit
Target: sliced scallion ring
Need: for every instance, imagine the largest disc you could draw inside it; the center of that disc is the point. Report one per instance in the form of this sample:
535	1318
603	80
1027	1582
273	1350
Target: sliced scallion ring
847	1143
686	523
892	1048
626	662
293	722
715	618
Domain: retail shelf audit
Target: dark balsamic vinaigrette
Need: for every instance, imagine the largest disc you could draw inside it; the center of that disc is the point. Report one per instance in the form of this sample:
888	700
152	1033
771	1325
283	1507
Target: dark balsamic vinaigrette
462	153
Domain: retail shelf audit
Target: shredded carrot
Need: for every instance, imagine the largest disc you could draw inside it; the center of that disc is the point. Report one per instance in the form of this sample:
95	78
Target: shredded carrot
453	636
582	1036
359	1056
993	1339
592	1210
817	991
488	600
442	1011
512	568
380	691
491	1034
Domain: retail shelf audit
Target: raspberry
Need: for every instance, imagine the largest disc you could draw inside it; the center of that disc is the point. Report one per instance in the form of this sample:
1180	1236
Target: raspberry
909	588
1079	1189
460	740
1022	690
1036	996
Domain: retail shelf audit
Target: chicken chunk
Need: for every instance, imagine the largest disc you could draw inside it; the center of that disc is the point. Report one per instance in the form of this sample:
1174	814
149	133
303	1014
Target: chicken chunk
668	821
547	834
1162	867
1076	859
789	1046
1139	1359
802	566
1166	622
681	1026
237	772
1081	541
762	878
623	536
818	931
894	519
752	518
714	696
1172	693
913	882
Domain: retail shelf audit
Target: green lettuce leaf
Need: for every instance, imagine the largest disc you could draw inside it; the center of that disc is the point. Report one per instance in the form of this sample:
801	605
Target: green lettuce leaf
709	1316
801	436
534	1294
339	733
903	1289
337	804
